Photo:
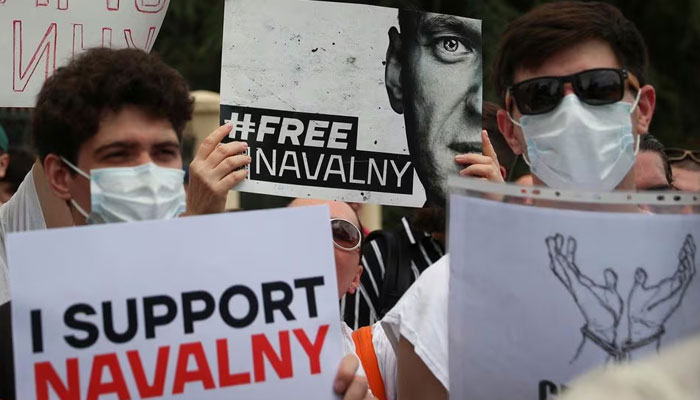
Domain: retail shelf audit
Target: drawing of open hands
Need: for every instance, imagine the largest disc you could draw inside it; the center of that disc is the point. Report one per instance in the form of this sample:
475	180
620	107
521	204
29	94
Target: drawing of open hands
650	306
600	304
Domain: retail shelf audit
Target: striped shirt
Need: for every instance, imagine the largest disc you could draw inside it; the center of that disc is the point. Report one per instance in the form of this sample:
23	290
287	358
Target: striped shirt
363	307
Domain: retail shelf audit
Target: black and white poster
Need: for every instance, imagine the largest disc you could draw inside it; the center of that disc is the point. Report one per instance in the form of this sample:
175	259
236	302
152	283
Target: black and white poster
350	102
538	296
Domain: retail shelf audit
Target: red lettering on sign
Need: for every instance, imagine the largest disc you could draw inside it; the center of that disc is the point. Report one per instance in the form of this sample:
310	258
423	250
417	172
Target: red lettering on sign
226	378
45	376
62	4
113	5
149	39
263	349
150	6
78	44
107	37
202	372
146	390
97	387
313	350
45	51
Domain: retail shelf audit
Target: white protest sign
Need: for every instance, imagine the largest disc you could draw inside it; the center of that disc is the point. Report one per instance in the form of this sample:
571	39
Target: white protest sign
305	84
38	36
215	307
540	295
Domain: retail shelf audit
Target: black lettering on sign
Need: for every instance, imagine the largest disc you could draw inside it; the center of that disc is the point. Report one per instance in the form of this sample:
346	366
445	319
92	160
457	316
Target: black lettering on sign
71	321
314	150
151	320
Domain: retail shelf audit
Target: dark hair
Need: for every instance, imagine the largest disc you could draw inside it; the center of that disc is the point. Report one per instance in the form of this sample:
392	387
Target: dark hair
76	98
552	27
21	161
649	142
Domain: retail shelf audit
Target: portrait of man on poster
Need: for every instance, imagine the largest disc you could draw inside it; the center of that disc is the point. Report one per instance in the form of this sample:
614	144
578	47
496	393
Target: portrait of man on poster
433	76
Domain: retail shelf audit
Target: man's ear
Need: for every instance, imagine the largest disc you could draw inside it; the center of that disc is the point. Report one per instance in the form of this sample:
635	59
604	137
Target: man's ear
507	128
392	71
645	109
4	162
58	176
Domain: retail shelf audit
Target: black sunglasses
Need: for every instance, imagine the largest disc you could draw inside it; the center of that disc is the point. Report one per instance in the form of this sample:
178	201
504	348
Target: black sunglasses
593	86
346	236
675	154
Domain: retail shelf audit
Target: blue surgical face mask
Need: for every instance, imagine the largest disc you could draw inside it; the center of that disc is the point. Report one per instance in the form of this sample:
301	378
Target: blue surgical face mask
123	194
580	146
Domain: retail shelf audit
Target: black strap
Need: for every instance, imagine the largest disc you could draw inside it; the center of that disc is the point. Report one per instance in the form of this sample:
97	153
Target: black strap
397	267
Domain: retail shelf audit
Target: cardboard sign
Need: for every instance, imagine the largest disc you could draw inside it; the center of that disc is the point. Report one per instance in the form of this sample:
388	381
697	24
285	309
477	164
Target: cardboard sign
38	36
215	307
350	102
541	295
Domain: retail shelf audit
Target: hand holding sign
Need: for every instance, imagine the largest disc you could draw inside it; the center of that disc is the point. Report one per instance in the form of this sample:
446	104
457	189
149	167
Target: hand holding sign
484	166
649	307
601	305
214	171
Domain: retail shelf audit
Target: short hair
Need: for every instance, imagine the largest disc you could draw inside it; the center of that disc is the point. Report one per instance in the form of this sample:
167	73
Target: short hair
649	142
552	27
21	161
76	98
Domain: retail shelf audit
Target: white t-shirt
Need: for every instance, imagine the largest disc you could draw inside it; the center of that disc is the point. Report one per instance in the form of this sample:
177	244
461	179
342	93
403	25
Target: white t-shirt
21	213
420	317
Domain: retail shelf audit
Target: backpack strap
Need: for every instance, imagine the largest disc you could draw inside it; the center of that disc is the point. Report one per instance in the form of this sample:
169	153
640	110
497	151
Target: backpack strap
365	352
398	273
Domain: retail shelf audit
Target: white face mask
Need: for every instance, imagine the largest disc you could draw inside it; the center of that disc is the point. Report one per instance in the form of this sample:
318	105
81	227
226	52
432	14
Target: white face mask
143	192
580	146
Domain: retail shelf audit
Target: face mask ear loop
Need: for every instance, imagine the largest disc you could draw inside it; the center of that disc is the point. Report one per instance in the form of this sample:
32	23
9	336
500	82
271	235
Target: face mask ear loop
516	123
80	209
74	168
636	101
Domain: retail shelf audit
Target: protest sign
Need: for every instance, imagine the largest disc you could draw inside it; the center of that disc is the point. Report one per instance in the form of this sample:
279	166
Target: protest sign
214	307
38	36
540	295
350	102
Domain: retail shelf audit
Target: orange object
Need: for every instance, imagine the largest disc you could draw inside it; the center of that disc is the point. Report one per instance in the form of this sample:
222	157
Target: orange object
365	352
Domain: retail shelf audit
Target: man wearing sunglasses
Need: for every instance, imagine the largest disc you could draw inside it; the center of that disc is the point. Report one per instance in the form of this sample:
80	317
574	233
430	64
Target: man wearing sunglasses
572	81
686	168
575	98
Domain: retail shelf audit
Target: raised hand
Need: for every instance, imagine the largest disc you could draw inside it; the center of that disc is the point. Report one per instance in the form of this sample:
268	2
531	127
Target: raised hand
650	306
600	304
216	169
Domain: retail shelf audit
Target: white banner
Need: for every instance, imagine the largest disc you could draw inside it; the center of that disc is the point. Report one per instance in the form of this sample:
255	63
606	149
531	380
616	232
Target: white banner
38	36
540	295
215	307
350	102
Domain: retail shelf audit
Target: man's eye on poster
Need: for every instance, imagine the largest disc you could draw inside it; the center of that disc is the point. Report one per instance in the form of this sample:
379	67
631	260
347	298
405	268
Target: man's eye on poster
371	112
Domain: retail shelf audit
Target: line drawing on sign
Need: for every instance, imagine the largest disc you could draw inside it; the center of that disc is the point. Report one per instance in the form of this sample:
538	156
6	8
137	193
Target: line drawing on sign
648	306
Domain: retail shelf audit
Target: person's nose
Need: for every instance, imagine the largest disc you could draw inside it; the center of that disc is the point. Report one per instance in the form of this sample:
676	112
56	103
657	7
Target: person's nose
568	89
144	157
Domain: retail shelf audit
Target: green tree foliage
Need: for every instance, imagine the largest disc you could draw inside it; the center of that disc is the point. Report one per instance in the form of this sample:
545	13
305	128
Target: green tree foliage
190	40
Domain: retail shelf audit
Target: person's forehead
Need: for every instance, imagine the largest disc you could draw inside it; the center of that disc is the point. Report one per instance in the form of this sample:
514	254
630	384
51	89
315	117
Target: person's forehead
427	23
131	124
582	56
649	170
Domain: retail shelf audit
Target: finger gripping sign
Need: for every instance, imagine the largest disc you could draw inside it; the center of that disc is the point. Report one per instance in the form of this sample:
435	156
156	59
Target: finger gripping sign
38	36
196	307
575	290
